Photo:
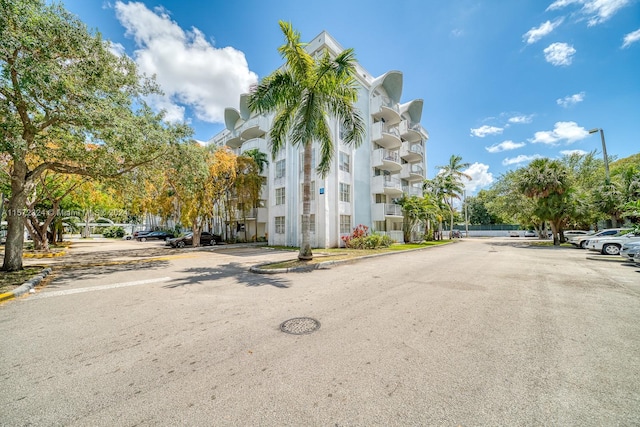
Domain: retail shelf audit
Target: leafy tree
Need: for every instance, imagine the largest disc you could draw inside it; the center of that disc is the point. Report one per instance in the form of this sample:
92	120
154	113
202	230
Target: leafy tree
303	94
547	183
248	186
478	211
66	105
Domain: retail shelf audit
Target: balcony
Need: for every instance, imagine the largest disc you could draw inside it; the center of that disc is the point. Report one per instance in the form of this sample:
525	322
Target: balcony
233	140
382	108
411	190
383	211
386	160
255	128
412	152
396	236
410	131
386	136
258	143
387	184
412	172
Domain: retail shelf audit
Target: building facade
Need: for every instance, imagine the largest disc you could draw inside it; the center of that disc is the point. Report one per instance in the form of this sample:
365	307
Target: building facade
364	182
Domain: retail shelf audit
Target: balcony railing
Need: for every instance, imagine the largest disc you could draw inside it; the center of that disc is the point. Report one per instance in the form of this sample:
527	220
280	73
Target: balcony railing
412	191
392	210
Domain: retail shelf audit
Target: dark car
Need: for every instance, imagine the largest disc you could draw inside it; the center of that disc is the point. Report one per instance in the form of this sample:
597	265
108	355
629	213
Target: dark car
187	240
155	235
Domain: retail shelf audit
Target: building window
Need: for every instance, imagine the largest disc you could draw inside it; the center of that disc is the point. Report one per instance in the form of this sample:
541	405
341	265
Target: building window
280	193
312	223
345	160
345	192
279	225
312	190
281	168
345	224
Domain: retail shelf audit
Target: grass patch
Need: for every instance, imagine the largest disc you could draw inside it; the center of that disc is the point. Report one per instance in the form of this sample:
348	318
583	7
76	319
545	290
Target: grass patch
338	254
10	281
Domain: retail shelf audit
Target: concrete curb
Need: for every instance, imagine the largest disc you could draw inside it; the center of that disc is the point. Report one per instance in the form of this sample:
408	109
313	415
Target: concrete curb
26	286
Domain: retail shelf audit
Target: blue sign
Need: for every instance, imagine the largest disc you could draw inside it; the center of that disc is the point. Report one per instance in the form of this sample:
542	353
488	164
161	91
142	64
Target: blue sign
322	190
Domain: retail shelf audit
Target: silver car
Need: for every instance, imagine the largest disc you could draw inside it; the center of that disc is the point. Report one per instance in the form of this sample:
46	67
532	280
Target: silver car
629	250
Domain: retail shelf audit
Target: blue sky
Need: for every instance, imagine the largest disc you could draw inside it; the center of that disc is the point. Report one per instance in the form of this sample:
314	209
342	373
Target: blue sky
503	82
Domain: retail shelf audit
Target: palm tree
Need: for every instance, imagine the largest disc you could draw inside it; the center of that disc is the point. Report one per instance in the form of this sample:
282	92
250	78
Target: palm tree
547	183
304	94
259	157
451	182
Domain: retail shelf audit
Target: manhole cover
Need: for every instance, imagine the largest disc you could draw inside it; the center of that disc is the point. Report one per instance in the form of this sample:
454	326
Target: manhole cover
299	325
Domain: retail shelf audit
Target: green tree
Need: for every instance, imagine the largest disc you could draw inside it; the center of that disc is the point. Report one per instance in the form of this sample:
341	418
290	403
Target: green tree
547	183
451	182
67	105
304	93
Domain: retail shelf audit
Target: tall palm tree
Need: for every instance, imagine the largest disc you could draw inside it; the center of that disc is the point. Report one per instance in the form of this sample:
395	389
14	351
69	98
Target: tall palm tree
452	185
304	94
547	183
259	157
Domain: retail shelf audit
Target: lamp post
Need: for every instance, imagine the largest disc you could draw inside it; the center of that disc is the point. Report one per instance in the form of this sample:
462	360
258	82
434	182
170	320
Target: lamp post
604	153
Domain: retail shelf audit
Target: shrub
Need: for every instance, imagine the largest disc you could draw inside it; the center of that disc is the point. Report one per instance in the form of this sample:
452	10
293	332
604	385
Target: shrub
361	239
113	232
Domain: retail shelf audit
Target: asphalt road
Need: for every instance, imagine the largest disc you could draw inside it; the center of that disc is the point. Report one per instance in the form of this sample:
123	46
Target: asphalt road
485	332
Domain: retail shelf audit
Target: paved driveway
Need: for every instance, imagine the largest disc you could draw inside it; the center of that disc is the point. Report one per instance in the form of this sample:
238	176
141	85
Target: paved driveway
482	332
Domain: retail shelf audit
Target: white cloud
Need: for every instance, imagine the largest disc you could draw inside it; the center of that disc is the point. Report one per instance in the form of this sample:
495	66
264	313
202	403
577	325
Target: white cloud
631	38
485	130
535	34
572	152
559	54
188	68
596	11
457	32
520	159
504	146
569	132
521	119
480	177
116	48
571	100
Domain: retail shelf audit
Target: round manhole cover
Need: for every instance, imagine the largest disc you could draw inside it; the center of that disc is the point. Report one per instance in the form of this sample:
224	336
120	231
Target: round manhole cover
300	325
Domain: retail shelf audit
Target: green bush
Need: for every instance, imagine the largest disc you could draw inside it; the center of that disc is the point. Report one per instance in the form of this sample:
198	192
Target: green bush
361	239
113	232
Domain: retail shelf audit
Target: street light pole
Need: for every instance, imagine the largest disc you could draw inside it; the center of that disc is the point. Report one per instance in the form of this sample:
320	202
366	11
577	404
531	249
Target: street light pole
604	153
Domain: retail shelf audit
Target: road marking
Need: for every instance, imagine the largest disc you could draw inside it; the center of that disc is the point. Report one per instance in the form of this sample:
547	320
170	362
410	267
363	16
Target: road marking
98	288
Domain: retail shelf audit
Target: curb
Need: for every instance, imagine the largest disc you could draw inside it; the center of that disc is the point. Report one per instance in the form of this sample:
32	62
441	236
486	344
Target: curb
325	265
26	286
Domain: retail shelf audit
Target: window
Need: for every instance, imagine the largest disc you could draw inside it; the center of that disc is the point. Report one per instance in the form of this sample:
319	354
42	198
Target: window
280	194
345	192
345	224
281	168
279	225
312	190
344	161
312	223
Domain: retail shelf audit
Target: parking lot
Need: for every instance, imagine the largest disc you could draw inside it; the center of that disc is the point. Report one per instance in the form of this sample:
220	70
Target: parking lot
480	332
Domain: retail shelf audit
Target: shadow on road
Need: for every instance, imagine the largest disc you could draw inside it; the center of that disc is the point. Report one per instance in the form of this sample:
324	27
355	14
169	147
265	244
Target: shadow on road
73	273
235	270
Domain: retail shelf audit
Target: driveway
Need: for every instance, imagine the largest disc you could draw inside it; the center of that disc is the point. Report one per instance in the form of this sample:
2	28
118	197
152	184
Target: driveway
481	332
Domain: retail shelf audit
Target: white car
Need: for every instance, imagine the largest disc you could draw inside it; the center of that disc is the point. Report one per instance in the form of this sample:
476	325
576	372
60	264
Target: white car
581	241
612	245
628	250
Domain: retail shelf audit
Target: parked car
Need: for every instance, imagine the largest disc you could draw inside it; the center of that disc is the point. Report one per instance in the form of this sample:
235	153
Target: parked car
206	238
530	233
140	233
636	258
611	245
514	233
572	233
155	235
581	241
629	250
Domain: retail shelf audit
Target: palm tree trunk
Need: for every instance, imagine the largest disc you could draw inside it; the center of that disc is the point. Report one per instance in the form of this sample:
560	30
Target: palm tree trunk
305	253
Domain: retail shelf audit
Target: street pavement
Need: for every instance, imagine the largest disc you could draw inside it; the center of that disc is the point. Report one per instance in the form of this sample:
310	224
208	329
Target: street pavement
483	332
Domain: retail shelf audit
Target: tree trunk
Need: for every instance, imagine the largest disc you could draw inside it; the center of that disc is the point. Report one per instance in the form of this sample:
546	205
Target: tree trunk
305	253
197	231
16	207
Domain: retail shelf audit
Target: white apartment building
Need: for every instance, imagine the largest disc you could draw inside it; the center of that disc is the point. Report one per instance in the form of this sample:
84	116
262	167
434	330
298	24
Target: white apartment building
363	183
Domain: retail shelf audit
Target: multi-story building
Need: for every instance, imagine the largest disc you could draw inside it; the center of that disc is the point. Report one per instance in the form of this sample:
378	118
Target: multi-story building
364	182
